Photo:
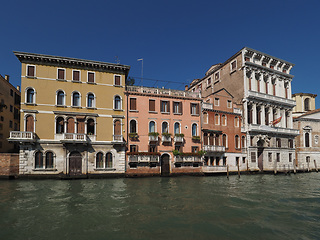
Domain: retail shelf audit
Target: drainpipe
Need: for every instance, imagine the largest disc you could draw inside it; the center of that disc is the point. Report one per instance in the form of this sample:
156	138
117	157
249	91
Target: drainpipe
125	152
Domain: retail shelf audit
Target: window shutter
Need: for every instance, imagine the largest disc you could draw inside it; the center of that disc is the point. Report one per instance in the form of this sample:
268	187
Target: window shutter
70	125
60	73
152	106
161	106
197	108
190	108
30	71
133	105
80	125
173	109
90	77
76	76
180	107
168	103
117	80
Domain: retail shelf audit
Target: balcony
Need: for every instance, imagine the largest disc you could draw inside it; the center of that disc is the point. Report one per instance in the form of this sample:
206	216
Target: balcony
181	159
166	138
118	138
276	130
270	98
153	138
22	136
214	148
74	138
143	158
178	139
207	106
162	91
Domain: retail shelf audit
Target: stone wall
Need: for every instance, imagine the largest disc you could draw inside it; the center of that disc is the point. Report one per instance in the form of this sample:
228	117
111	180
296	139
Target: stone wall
9	165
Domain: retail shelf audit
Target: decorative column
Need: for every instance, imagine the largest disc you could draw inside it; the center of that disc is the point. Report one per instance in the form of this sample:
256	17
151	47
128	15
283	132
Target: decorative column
270	114
262	115
290	120
283	119
254	113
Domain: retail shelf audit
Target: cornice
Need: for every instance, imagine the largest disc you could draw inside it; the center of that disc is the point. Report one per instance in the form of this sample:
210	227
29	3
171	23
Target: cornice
161	96
265	70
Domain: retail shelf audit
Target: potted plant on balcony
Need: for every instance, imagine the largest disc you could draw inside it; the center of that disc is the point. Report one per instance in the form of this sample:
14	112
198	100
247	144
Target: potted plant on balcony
166	134
154	134
133	136
179	135
196	138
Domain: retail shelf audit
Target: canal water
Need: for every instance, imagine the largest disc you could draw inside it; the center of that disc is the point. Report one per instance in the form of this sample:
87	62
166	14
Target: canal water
252	207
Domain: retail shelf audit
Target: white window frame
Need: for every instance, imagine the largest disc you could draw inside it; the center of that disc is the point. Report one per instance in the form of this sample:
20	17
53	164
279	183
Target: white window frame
217	79
232	70
114	79
155	126
64	74
64	97
34	121
215	123
26	95
130	125
94	77
114	102
74	70
218	100
94	100
35	70
197	132
229	104
179	128
168	127
236	122
79	98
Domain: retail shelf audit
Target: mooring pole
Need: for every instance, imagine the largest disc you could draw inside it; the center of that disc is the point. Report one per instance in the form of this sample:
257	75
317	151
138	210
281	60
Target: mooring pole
228	171
315	164
238	170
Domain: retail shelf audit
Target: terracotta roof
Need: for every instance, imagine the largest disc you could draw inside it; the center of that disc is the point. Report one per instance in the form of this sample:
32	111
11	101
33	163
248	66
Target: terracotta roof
309	112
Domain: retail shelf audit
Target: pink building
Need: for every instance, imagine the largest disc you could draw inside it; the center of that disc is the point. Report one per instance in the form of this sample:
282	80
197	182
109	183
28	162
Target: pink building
163	131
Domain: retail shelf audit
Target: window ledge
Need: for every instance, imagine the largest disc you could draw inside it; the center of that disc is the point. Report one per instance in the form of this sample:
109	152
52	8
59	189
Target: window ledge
92	108
153	112
44	169
165	112
32	77
93	83
216	81
61	80
120	110
31	104
118	86
195	115
61	106
177	113
104	169
133	111
76	107
74	81
232	71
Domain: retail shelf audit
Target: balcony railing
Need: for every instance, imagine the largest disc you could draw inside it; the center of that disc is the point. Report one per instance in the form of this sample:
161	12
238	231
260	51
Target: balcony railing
75	137
153	138
187	159
178	139
22	136
272	98
214	148
117	138
207	106
166	138
279	130
162	91
143	158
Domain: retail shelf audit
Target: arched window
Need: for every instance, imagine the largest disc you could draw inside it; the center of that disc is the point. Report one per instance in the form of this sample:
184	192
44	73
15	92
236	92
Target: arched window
307	139
165	128
30	96
60	125
205	138
99	160
90	100
109	160
76	99
117	102
29	123
217	119
236	140
49	159
152	126
236	121
307	104
133	126
224	120
243	141
90	127
194	129
38	160
60	98
205	117
211	139
217	140
224	140
177	128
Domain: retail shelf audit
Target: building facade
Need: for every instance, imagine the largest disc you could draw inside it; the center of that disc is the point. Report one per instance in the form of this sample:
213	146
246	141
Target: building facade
163	131
304	102
72	117
223	141
261	87
9	114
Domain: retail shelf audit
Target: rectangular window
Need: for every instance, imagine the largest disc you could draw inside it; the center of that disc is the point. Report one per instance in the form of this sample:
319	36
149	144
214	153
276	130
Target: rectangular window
233	66
76	75
91	77
11	92
133	104
270	157
278	141
209	81
16	114
152	105
165	107
278	157
31	71
253	156
194	108
152	148
10	124
290	157
271	66
133	148
11	108
194	149
217	76
216	101
177	107
243	159
290	143
117	80
229	104
61	74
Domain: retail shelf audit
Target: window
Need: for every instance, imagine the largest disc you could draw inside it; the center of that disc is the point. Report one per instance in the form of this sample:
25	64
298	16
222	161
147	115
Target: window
290	143
217	76
233	65
29	121
247	59
38	160
217	119
307	104
308	159
243	141
229	104
278	157
205	117
117	80
290	157
264	64
70	125
49	159
99	160
61	74
177	107
177	128
224	120
152	126
178	148
11	108
194	149
243	159
109	160
278	142
90	127
236	121
30	95
133	126
117	103
117	130
216	101
59	125
90	77
152	105
60	98
307	139
76	75
194	129
10	124
11	92
270	157
76	99
31	71
90	100
236	139
194	108
133	104
133	148
165	128
224	140
217	140
209	81
152	148
165	107
253	156
249	84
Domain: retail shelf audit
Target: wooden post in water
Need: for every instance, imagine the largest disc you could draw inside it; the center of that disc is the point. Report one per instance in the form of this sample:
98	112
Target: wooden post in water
294	168
238	170
315	165
228	171
275	169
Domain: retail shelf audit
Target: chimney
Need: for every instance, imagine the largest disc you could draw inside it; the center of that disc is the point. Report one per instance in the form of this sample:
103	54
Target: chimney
6	77
186	87
18	88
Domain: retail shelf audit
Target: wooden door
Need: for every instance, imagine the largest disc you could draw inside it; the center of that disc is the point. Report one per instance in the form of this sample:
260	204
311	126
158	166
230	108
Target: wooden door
117	128
75	164
165	165
29	124
70	125
80	125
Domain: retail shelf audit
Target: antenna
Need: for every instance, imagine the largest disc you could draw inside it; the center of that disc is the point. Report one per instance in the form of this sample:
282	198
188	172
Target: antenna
117	60
141	59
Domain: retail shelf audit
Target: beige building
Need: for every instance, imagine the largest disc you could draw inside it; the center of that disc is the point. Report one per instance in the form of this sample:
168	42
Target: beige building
304	102
72	116
9	114
261	87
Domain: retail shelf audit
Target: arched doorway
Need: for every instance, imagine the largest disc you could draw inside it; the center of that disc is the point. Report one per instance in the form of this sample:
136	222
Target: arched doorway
75	163
165	164
260	144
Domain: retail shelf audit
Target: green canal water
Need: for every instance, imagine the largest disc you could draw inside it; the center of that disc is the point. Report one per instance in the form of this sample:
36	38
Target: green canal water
252	207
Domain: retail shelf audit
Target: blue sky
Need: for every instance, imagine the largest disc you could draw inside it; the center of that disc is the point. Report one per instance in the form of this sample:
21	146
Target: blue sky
178	40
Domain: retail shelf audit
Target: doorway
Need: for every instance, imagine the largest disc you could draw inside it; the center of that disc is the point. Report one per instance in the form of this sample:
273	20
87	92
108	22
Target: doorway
75	164
165	165
260	159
